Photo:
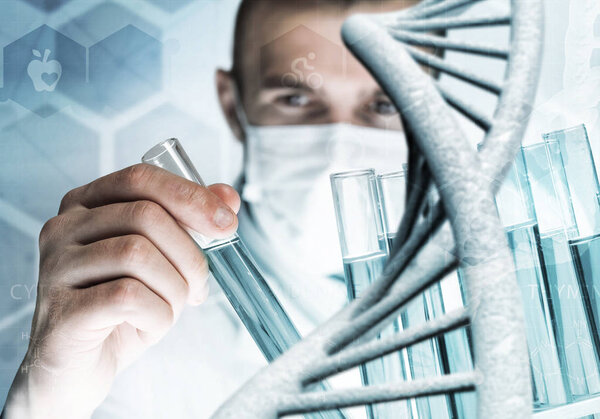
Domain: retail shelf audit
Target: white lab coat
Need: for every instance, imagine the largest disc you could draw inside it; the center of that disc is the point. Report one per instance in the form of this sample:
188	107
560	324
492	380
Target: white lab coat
208	353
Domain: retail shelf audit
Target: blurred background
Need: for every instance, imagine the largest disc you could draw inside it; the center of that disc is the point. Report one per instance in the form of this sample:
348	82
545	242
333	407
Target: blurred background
86	86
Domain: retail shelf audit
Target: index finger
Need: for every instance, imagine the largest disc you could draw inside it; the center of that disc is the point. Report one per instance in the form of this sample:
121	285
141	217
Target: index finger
193	205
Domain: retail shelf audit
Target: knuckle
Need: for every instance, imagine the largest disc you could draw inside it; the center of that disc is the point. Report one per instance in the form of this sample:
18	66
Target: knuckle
49	263
126	292
53	303
190	194
57	265
135	176
69	198
134	250
50	228
147	212
46	231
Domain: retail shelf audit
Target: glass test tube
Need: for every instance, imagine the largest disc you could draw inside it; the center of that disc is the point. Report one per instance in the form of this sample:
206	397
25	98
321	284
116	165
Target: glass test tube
236	272
364	252
425	359
517	214
584	193
574	333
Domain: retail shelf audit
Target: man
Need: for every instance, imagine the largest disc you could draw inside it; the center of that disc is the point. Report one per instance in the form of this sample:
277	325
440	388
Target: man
117	268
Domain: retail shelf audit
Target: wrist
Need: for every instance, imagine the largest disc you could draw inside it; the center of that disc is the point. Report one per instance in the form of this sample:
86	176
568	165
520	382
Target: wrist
37	394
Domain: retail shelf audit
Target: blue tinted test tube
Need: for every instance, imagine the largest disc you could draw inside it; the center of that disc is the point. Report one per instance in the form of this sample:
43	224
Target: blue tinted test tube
575	334
365	252
517	214
429	358
236	272
584	239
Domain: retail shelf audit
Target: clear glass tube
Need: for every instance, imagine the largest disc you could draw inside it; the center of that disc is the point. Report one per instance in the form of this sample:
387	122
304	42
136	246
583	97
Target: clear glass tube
236	272
391	190
429	358
516	211
584	193
365	252
575	336
581	177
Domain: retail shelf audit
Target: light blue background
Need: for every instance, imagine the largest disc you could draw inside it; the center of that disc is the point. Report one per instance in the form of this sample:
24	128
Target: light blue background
149	75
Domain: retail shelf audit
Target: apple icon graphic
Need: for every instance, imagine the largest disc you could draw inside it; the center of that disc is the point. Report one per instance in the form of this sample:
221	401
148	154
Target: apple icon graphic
43	73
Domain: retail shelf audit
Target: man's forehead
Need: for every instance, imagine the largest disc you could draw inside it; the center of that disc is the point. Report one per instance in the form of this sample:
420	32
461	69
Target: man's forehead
290	30
301	52
272	20
282	36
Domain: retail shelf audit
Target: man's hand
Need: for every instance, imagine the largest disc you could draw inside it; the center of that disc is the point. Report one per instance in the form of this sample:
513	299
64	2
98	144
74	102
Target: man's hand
116	270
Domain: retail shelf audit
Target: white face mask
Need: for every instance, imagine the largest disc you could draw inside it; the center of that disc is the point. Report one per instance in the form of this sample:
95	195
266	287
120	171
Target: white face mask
287	183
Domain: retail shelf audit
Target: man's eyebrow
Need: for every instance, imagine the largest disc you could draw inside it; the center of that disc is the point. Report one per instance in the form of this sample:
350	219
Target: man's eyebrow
281	82
379	92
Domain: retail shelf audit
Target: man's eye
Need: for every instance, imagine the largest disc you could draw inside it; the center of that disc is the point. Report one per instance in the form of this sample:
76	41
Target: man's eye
295	100
383	107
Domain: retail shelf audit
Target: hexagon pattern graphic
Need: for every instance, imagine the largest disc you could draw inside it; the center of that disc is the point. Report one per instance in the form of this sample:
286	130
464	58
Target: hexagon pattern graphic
164	122
39	65
47	5
51	156
44	68
172	5
124	69
16	19
103	20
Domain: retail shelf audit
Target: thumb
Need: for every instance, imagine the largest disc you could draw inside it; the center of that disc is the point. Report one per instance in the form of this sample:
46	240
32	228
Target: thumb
227	194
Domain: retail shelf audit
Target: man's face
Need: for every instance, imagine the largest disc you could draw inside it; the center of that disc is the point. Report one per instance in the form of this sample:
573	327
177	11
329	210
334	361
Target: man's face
297	71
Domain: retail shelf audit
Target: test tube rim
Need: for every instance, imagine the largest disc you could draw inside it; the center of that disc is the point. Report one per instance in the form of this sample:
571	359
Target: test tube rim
534	145
390	175
551	136
159	149
352	173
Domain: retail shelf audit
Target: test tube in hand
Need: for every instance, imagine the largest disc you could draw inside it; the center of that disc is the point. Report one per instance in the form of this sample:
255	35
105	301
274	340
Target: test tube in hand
233	268
236	272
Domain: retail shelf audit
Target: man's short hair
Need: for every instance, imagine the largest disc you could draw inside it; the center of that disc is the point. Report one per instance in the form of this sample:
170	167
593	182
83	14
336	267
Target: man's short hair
247	7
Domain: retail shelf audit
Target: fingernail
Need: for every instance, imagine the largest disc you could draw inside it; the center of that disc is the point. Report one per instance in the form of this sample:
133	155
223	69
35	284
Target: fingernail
223	217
